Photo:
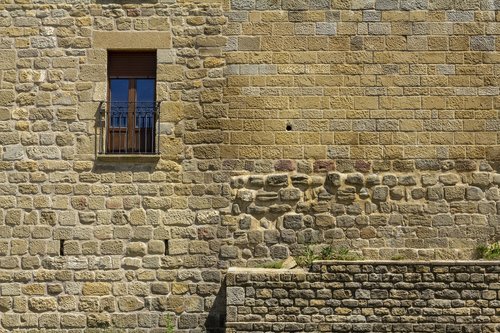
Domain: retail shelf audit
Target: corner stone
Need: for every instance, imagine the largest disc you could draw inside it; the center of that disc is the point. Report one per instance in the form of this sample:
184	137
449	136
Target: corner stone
235	296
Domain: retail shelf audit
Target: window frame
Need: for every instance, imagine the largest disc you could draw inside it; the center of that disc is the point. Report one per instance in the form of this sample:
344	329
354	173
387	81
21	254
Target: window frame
131	139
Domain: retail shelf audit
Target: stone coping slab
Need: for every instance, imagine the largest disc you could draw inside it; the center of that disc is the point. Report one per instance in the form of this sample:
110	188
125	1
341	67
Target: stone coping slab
264	270
367	262
409	262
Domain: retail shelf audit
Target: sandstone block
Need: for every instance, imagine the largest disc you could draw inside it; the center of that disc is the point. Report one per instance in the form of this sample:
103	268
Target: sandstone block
42	304
178	246
325	221
136	249
130	303
208	217
7	97
124	39
96	289
235	296
112	247
73	320
7	59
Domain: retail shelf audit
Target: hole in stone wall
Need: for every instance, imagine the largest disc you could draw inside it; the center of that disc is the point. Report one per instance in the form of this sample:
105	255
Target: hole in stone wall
61	247
166	246
288	127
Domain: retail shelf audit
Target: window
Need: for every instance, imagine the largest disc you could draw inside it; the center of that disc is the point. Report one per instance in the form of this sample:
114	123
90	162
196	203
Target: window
131	110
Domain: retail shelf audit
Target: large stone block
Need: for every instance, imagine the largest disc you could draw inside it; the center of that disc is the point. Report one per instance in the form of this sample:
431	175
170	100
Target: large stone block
7	59
235	295
128	39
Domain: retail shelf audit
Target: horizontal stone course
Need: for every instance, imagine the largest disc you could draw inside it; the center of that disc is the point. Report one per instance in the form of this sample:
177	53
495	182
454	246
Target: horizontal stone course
375	296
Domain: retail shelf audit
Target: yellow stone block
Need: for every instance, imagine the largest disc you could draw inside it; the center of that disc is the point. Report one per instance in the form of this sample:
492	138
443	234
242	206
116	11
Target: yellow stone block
96	289
136	39
366	102
249	152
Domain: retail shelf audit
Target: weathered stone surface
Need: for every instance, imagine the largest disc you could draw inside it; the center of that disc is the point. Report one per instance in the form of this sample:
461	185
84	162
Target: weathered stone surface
277	180
123	40
96	289
235	296
290	194
380	193
130	303
365	124
42	304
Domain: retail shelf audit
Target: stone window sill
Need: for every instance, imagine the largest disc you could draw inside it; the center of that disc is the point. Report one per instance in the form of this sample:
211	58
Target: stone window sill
129	158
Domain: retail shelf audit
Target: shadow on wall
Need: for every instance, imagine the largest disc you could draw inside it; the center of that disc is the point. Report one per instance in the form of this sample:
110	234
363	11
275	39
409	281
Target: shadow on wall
216	320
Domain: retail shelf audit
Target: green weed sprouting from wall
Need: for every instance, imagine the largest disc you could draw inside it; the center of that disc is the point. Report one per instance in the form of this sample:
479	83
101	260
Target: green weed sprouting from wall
327	253
489	251
170	326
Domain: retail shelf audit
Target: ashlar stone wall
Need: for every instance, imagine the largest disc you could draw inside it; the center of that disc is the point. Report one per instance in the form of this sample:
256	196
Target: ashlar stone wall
362	79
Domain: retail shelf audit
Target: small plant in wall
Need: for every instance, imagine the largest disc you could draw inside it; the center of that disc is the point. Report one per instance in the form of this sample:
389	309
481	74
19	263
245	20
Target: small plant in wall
327	253
489	251
306	259
170	326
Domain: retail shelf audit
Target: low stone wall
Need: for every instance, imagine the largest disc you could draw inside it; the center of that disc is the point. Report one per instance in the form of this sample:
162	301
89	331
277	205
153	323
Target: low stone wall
367	296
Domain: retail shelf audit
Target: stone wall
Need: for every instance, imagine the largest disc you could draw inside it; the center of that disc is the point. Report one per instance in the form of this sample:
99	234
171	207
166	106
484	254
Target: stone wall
92	243
423	214
377	118
362	79
366	297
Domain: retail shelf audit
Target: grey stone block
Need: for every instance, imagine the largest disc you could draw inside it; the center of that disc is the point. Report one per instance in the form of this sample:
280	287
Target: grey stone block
380	193
414	4
235	296
326	28
319	4
267	4
482	43
372	15
460	16
474	193
13	152
389	180
242	4
354	179
295	4
277	180
279	251
387	4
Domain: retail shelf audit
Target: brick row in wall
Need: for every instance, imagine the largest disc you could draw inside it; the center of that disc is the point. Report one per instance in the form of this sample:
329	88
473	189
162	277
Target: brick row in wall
366	297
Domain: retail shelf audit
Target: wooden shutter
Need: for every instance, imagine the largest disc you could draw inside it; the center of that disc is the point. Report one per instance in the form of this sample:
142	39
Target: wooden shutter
132	64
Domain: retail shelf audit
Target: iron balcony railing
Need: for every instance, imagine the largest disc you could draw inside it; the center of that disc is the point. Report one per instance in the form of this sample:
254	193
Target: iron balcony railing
128	128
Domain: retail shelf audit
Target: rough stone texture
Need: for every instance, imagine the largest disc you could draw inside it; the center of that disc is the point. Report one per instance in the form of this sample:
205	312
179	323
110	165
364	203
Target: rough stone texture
369	124
367	297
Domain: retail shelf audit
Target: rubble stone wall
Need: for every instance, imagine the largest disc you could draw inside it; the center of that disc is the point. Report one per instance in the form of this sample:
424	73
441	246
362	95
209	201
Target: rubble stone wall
366	297
419	215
